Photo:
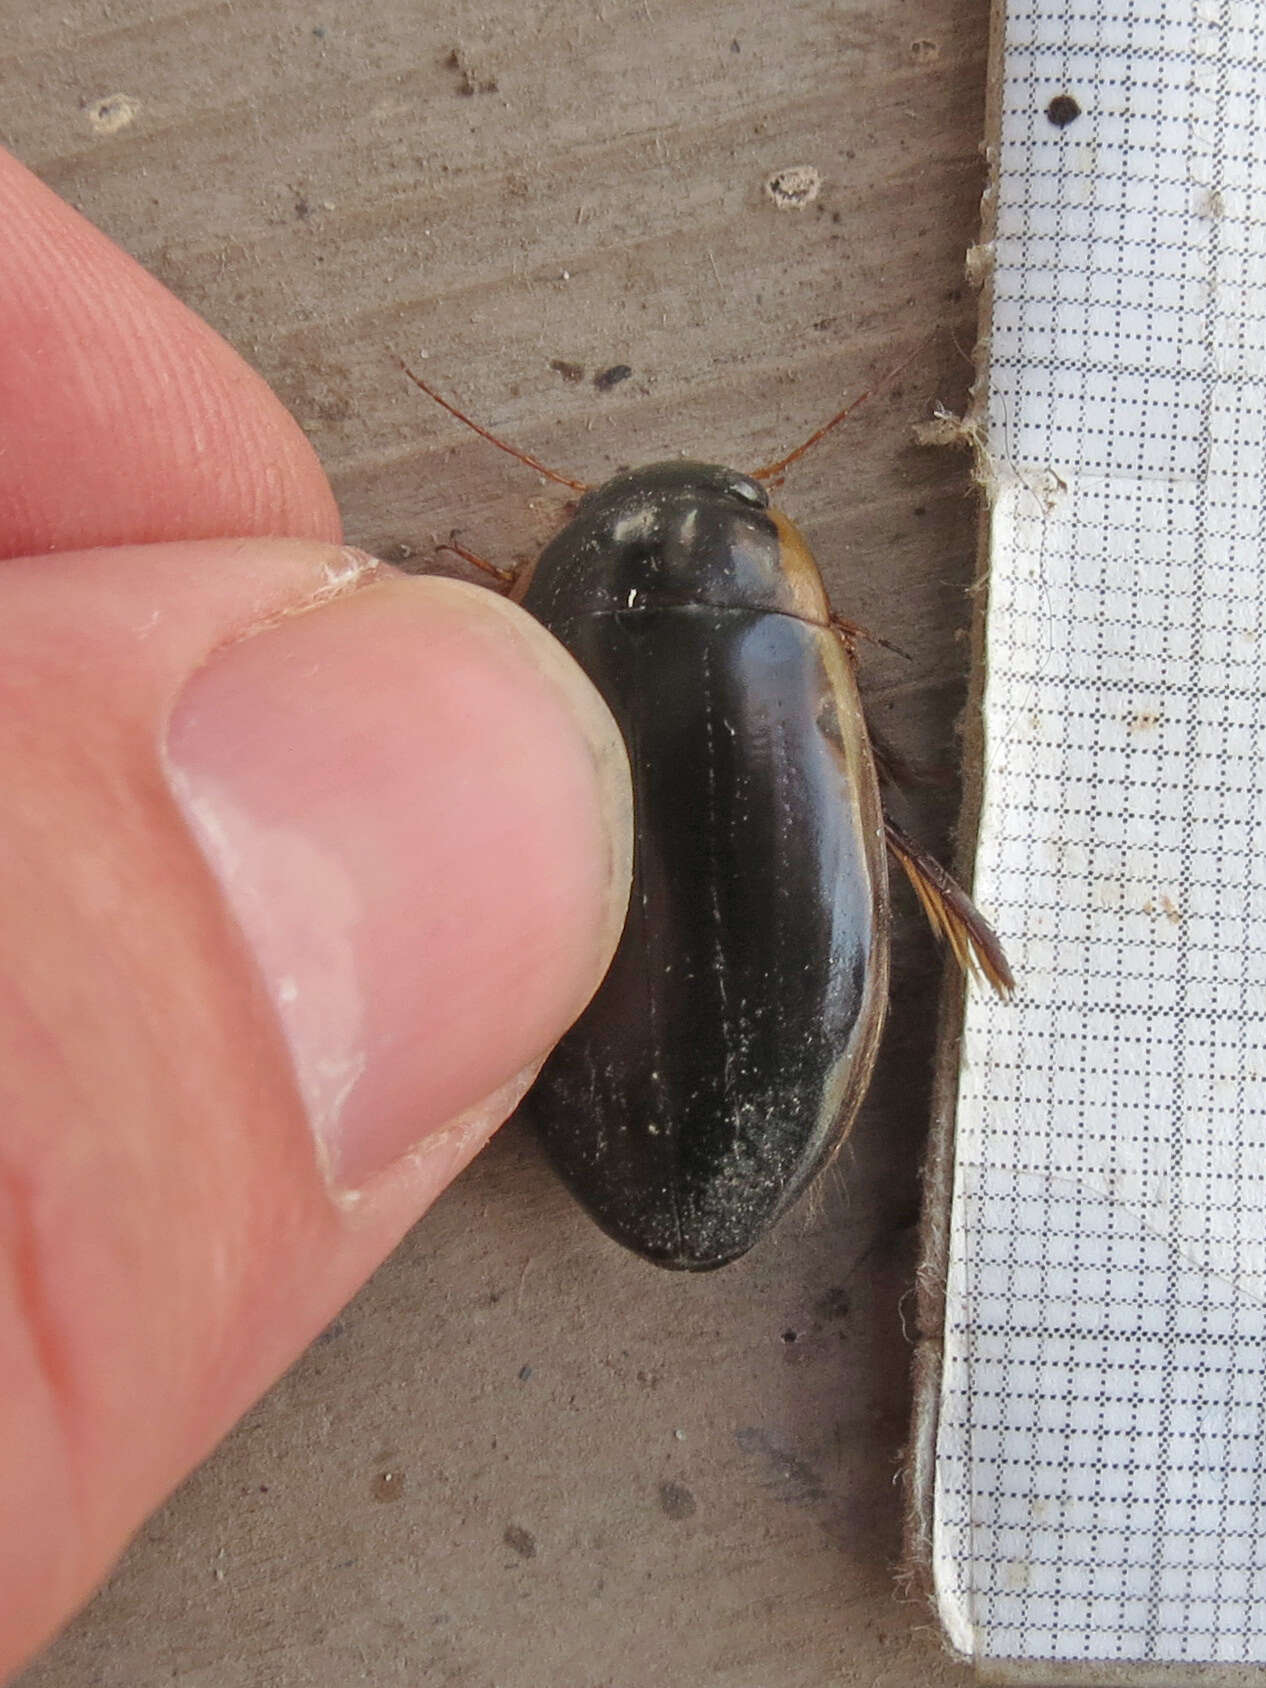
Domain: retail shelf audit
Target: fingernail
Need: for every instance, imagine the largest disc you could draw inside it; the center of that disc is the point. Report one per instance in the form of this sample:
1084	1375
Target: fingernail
418	811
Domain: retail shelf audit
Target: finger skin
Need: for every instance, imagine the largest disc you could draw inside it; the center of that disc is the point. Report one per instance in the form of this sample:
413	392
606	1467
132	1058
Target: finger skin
126	1014
168	1242
123	417
169	1239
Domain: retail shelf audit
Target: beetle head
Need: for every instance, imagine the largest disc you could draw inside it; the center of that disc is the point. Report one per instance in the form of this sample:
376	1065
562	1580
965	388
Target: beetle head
676	534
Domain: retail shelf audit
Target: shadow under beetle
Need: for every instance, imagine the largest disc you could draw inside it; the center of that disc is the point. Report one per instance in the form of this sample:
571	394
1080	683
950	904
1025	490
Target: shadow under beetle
724	1057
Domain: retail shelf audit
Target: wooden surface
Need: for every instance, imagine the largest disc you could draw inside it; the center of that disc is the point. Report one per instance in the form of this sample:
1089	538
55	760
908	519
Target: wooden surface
522	1458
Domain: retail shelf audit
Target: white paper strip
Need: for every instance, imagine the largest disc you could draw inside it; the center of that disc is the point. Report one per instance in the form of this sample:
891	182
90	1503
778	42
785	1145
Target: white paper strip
1101	1453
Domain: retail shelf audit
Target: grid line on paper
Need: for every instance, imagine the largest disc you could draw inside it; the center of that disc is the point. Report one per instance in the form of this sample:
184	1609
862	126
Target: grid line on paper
1101	1453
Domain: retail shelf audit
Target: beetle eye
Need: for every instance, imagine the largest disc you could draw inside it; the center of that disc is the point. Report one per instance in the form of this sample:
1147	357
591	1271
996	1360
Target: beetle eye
748	492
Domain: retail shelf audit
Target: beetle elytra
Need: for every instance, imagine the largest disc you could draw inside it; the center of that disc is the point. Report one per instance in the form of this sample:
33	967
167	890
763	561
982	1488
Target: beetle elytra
723	1059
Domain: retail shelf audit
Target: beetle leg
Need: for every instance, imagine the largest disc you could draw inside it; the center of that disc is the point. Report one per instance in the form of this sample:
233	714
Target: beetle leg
507	577
850	632
951	913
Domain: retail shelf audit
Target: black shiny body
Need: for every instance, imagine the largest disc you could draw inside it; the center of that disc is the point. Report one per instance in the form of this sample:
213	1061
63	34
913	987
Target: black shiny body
728	1049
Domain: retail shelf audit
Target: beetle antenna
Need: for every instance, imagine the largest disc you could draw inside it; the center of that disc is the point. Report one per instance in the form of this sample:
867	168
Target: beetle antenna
485	434
774	472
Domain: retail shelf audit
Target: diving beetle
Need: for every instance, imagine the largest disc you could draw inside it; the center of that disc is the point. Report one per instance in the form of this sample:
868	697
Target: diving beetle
723	1059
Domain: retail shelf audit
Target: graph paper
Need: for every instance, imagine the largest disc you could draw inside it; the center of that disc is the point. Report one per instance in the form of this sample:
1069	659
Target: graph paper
1098	1494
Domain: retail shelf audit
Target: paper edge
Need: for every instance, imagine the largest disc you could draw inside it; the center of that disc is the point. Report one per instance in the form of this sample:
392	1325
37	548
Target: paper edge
938	1170
956	1627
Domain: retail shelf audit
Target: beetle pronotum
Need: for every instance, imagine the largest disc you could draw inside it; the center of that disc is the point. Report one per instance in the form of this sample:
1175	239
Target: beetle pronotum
724	1057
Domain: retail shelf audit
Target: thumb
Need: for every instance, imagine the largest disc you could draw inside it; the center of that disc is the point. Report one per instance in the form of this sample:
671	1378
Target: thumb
306	866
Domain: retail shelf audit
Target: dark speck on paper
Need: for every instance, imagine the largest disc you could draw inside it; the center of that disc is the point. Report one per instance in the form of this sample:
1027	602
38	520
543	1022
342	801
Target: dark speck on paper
1062	110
